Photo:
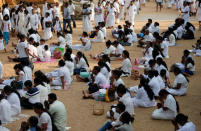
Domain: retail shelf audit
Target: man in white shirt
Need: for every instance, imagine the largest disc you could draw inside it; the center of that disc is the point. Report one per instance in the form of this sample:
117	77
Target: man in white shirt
22	50
72	12
58	112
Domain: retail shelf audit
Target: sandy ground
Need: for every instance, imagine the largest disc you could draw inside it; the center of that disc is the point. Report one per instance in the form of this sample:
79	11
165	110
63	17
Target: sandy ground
79	111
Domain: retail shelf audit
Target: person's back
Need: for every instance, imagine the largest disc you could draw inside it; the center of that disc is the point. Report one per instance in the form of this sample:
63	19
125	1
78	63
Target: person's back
58	113
5	108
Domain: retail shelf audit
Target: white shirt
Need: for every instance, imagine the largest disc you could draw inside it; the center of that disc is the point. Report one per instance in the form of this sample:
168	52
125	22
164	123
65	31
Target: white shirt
120	49
47	55
44	118
104	31
101	80
170	103
14	101
172	39
6	26
100	36
43	93
63	71
27	73
70	66
21	46
130	38
68	38
5	108
148	54
110	50
127	101
189	126
164	46
6	12
88	43
105	72
118	82
149	38
56	11
62	42
32	50
1	70
40	51
126	66
23	79
191	67
180	79
34	20
82	64
34	37
71	9
154	85
58	112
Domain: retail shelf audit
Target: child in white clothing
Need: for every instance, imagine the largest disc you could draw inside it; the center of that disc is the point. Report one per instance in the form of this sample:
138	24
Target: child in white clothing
58	25
46	54
68	38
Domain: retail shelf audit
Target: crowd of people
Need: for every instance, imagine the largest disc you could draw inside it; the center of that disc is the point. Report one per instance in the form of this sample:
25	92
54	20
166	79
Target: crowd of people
32	90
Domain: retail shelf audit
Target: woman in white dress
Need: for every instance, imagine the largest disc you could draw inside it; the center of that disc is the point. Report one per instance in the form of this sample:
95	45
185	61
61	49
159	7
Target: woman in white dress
13	98
132	11
47	26
168	108
98	14
126	64
87	27
180	85
5	108
144	96
27	21
42	88
21	21
85	43
199	13
181	123
91	4
110	21
69	63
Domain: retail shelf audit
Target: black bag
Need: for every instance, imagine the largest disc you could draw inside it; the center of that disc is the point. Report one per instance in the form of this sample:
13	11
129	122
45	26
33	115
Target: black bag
48	24
17	85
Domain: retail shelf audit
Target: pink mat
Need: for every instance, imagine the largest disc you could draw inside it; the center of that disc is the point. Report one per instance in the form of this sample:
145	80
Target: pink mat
51	61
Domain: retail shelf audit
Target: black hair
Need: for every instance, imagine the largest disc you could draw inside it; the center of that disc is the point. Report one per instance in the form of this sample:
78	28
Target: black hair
106	58
117	72
181	118
1	96
126	53
97	68
85	33
18	66
33	121
38	81
46	47
42	76
186	52
144	82
177	70
82	55
52	96
39	106
190	60
103	64
108	43
28	83
67	57
121	107
10	89
69	50
61	63
126	118
31	39
163	72
121	89
151	73
162	62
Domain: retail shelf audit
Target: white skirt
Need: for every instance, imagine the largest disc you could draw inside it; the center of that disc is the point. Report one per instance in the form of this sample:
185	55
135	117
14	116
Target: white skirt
98	18
163	115
47	33
110	21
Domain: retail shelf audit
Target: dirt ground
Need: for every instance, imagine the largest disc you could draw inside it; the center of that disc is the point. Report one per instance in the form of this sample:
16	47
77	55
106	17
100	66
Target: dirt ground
79	111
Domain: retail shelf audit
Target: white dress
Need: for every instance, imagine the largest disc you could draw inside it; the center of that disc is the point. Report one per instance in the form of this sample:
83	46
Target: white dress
98	15
87	27
110	21
131	13
186	15
198	11
43	93
189	126
180	79
5	114
168	114
47	30
126	66
14	101
141	99
21	23
1	44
